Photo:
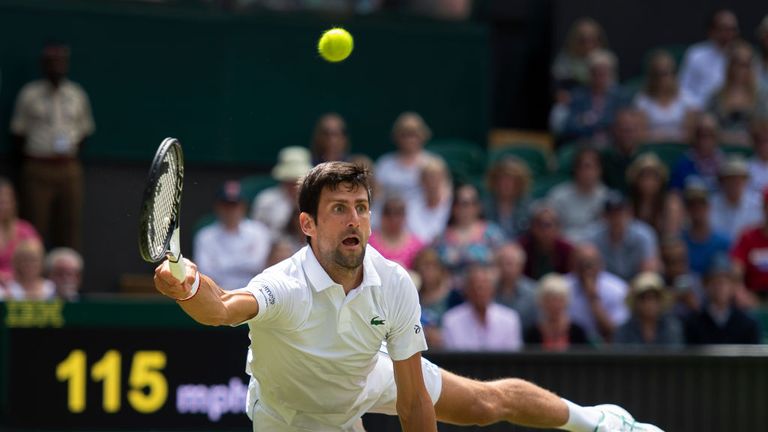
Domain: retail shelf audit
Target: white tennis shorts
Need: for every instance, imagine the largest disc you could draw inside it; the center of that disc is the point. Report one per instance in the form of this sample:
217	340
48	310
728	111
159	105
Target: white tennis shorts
381	380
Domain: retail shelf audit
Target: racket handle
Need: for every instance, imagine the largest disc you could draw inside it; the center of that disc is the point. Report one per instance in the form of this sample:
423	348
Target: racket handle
178	268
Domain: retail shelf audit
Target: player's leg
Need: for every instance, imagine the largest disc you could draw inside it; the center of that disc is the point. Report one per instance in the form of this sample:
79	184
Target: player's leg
465	401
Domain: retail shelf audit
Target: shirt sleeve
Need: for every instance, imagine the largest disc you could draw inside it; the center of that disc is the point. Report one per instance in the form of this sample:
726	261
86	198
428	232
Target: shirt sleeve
617	308
281	305
19	121
86	125
740	250
405	337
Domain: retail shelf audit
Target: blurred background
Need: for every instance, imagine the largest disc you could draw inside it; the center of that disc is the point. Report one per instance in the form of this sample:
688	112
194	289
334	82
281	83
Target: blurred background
578	189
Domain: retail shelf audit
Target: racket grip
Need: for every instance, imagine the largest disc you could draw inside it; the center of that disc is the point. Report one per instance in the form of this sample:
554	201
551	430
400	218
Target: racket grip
178	268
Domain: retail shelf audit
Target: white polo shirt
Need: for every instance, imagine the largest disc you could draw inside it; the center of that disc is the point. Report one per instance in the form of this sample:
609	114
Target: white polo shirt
313	347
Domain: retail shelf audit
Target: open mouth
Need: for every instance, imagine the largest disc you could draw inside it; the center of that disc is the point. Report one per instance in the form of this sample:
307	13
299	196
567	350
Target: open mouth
351	241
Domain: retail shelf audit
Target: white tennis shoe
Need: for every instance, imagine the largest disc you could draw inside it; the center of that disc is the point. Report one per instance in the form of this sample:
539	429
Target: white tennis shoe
617	419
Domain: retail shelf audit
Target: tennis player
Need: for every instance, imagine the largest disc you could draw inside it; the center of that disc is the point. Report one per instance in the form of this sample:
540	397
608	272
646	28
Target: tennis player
335	333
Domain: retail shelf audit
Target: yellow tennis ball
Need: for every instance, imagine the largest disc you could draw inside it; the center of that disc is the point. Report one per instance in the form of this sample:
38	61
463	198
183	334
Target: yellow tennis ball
335	45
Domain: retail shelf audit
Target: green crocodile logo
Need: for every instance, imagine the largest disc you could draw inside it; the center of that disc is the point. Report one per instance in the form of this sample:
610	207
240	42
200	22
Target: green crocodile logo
376	321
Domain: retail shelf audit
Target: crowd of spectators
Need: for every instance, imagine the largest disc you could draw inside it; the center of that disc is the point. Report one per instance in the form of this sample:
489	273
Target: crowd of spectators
633	247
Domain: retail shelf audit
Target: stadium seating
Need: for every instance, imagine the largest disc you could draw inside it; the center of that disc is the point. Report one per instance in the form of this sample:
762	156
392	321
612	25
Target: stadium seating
465	159
668	152
533	156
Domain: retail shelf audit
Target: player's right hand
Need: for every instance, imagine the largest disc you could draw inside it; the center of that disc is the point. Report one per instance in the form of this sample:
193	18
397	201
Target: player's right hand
168	285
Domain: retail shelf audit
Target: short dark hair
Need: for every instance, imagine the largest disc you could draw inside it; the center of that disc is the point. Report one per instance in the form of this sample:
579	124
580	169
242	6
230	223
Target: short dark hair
330	175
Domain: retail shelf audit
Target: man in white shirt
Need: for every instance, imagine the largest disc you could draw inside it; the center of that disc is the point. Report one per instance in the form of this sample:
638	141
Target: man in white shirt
597	302
51	121
317	322
703	70
735	207
234	248
481	324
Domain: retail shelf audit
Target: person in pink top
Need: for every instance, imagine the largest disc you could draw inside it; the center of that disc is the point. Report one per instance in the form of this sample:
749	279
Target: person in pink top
392	239
12	230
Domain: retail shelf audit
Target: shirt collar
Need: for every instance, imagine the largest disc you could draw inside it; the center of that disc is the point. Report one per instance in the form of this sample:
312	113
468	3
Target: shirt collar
320	280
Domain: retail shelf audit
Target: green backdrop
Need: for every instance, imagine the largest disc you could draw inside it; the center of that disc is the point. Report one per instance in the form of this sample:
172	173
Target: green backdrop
236	88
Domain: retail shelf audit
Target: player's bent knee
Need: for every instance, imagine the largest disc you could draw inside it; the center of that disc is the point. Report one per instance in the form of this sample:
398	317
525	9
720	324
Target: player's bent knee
488	406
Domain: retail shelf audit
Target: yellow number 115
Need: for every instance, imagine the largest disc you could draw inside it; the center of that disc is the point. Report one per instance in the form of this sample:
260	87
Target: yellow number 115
145	373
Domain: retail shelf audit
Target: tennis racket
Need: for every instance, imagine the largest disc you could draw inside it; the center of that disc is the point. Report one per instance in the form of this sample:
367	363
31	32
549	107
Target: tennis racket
159	220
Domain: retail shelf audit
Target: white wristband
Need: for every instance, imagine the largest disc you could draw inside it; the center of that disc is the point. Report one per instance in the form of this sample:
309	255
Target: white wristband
195	287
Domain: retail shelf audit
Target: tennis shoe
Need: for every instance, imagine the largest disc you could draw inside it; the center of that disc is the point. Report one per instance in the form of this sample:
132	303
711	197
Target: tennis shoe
617	419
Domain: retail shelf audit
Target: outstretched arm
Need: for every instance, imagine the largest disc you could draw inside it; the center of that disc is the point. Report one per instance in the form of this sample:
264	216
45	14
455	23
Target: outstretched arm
414	405
210	305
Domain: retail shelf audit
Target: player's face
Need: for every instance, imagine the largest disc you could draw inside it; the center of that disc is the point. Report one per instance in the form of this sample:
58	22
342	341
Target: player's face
343	225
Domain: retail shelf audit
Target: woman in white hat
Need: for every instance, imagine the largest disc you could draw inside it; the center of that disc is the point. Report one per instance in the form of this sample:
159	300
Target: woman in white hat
274	206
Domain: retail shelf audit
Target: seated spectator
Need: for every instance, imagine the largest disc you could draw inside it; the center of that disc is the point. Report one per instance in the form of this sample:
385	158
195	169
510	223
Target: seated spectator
509	181
701	239
628	132
597	302
685	286
592	108
650	201
13	230
429	210
28	282
64	267
545	249
234	248
571	66
480	324
750	255
514	289
579	201
627	245
649	323
704	63
736	102
434	294
666	107
704	157
398	172
329	139
393	240
468	237
762	58
274	206
720	320
554	330
758	165
735	208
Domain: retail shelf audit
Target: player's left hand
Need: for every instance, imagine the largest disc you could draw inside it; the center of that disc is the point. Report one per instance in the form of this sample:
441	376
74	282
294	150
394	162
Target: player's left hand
168	285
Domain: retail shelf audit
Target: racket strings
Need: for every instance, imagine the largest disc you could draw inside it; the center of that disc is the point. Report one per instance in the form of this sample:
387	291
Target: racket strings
165	204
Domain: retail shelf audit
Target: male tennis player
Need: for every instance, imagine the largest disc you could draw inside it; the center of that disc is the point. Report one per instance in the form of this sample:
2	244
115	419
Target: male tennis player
318	320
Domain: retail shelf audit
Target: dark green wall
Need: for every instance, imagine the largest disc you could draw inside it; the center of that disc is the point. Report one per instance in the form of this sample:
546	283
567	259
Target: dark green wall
237	88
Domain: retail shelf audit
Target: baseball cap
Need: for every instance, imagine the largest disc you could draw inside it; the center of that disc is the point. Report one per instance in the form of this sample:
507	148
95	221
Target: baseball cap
720	265
614	200
230	192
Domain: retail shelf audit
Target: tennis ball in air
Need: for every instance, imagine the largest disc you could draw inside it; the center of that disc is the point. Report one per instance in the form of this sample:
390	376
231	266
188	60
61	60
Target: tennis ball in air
335	45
